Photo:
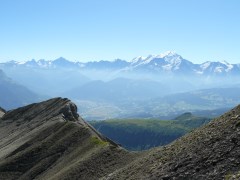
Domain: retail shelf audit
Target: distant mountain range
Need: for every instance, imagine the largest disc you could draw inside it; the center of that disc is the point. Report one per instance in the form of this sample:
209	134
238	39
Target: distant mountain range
117	90
173	62
168	62
164	85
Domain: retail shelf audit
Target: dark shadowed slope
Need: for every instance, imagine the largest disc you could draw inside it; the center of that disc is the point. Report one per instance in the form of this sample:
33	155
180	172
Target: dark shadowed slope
210	152
49	140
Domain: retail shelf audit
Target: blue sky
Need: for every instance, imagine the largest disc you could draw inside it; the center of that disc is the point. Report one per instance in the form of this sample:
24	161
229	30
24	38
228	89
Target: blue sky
109	29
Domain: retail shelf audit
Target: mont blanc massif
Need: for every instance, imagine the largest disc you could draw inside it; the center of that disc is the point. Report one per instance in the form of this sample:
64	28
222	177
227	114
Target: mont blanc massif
155	117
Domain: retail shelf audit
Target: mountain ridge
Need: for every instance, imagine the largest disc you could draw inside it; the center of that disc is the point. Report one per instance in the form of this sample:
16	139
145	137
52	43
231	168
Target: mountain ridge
165	62
48	140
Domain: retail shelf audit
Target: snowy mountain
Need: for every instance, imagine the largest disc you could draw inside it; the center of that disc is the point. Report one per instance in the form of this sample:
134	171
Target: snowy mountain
57	63
168	62
165	62
218	68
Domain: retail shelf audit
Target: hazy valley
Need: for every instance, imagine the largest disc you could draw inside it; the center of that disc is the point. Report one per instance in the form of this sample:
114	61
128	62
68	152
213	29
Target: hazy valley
162	86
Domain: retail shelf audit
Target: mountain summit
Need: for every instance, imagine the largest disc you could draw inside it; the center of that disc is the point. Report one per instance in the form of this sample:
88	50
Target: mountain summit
165	62
169	56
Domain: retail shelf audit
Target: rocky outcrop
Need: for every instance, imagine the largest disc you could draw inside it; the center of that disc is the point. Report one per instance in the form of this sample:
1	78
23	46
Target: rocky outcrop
2	112
49	140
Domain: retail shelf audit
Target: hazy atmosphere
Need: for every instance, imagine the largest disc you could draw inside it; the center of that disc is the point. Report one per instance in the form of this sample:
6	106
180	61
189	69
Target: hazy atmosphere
119	90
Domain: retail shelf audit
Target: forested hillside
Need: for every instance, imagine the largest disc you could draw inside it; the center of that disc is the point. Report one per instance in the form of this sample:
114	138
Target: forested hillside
141	134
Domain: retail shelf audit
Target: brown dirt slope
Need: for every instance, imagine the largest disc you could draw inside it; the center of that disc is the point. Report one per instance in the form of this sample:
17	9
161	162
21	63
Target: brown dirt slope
49	140
210	152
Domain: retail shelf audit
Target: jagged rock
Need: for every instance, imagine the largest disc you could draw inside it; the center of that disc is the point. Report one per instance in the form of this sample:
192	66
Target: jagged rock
70	112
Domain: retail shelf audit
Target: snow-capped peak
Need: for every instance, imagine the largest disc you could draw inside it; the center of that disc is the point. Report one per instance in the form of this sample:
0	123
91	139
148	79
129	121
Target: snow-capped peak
217	67
167	54
205	65
229	66
224	62
138	59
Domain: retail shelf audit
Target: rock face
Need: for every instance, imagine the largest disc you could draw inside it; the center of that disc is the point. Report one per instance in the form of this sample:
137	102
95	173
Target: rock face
2	112
49	140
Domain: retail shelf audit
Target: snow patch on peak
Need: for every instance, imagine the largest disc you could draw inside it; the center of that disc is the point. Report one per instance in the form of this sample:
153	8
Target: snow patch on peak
43	63
21	62
219	69
229	66
169	58
148	59
170	54
224	62
167	54
137	59
205	65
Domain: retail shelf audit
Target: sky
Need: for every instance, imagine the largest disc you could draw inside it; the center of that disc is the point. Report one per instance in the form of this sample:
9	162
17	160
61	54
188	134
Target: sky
87	30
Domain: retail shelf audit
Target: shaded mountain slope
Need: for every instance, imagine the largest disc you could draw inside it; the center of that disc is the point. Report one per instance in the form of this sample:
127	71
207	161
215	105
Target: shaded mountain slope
14	95
49	140
47	81
210	152
117	90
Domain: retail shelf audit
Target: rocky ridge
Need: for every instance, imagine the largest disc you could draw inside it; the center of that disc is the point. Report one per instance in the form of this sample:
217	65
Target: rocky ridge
49	140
